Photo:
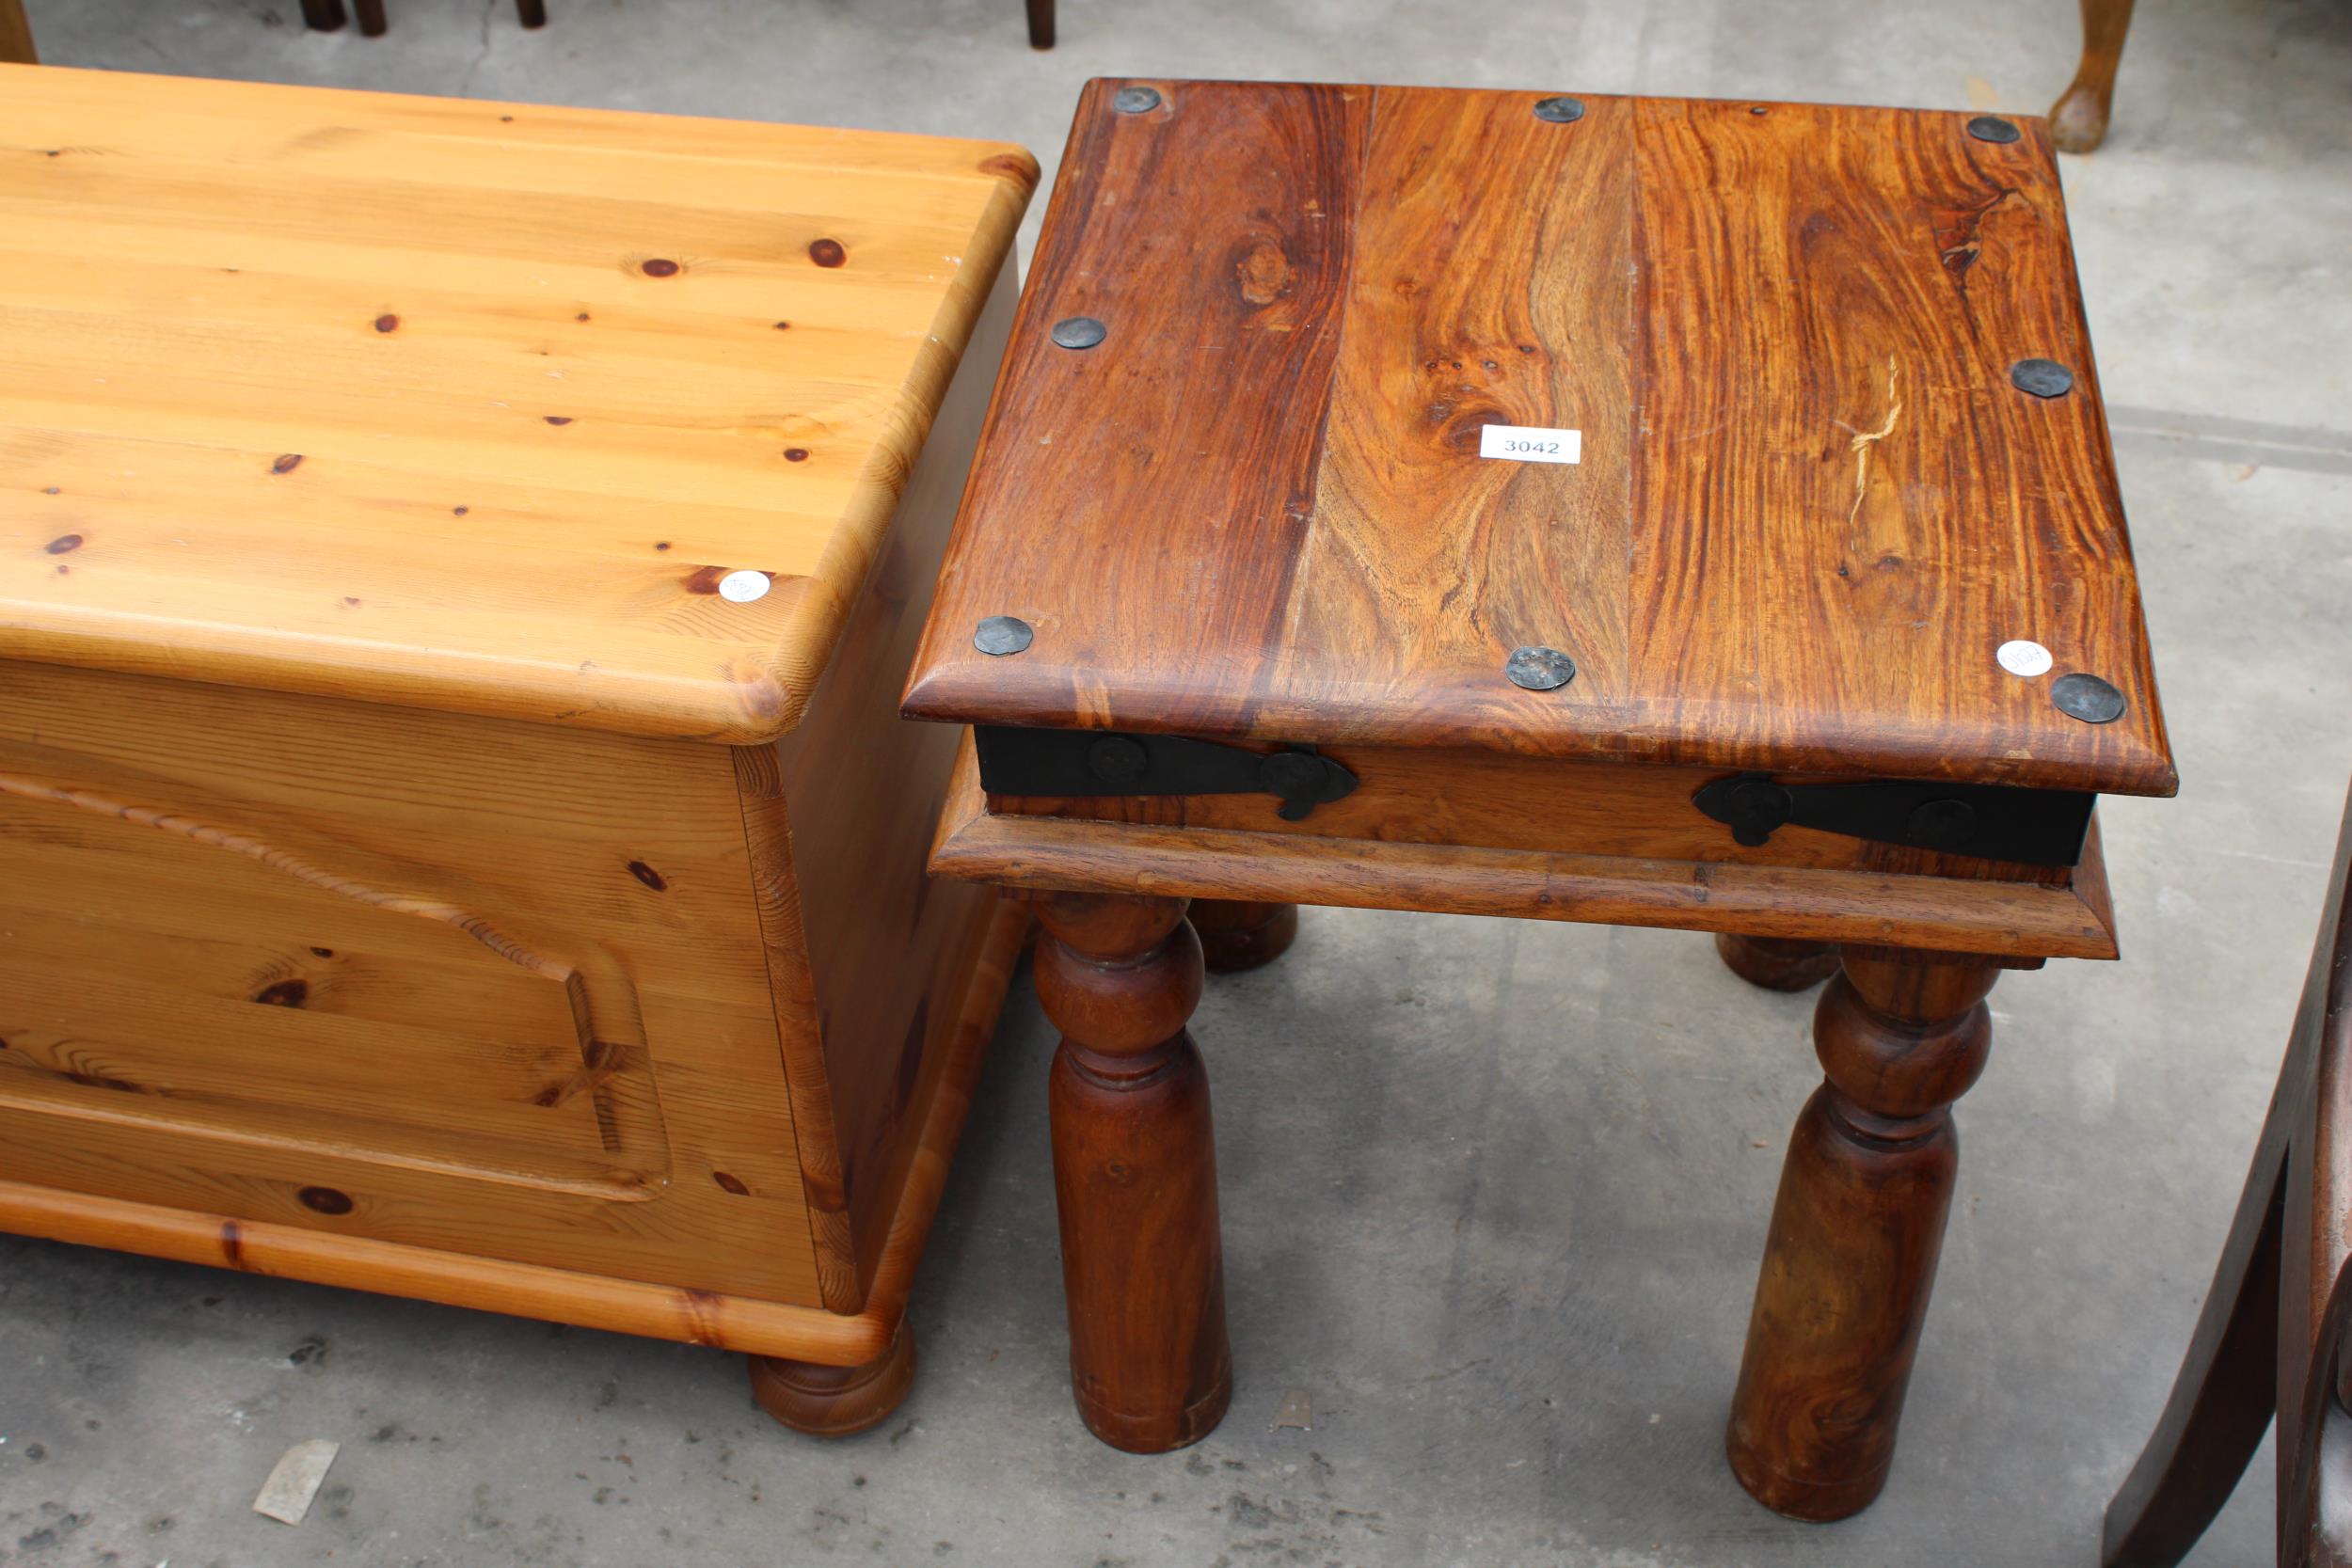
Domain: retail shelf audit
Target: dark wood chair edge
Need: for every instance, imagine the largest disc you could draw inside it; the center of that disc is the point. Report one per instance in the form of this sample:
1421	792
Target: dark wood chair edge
2257	1335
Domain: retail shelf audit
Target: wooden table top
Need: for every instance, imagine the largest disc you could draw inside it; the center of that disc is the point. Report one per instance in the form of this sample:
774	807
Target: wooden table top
466	404
1810	506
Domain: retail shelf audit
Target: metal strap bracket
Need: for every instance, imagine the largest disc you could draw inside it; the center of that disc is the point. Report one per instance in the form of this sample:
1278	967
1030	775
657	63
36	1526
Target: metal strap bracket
1995	823
1079	763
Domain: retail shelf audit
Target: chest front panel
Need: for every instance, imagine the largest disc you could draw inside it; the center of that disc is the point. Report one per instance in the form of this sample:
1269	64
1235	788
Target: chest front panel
486	987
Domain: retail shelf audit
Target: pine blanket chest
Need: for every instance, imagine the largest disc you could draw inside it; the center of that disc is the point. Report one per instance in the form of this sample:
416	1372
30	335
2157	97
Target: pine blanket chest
456	564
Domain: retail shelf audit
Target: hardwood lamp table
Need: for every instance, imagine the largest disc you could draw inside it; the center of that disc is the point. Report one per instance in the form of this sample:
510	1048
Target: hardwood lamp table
457	565
1638	511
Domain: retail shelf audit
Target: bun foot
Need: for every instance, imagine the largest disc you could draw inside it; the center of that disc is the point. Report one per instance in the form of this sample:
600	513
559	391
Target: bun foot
1777	964
835	1401
1236	936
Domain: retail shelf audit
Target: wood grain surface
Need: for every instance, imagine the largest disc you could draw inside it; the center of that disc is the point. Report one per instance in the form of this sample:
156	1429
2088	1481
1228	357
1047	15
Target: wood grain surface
523	996
1857	1227
867	952
463	404
1810	507
1135	1170
424	978
750	1323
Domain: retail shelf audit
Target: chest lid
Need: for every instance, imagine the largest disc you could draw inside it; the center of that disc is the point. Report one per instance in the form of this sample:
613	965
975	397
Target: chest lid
1408	403
583	417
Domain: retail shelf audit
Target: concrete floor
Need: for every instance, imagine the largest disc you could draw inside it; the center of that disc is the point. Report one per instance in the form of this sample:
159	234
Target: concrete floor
1494	1193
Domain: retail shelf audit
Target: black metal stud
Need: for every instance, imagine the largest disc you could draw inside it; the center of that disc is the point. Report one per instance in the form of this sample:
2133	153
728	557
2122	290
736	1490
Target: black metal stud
1560	111
1136	101
1079	332
1993	128
2043	378
1539	668
1115	759
2087	698
1003	634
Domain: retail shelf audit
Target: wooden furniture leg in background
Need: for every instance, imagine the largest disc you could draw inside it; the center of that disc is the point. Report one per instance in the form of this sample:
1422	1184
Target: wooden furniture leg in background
2079	121
327	15
16	34
1135	1170
1041	23
1777	964
1856	1229
1236	935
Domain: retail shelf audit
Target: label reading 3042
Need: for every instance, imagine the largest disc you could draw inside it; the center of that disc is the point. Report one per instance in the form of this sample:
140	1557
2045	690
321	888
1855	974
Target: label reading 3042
1520	443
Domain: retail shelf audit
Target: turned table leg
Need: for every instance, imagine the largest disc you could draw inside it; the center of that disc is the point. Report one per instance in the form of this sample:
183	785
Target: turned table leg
1856	1229
2079	121
1236	935
1135	1170
835	1401
1777	964
324	15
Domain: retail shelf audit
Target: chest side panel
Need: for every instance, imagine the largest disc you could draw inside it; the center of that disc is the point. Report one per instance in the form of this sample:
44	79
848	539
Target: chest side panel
491	989
871	956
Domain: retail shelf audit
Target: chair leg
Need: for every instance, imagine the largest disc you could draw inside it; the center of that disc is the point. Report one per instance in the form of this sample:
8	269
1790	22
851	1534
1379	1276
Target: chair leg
2079	121
325	16
1041	23
532	13
2222	1402
372	21
16	34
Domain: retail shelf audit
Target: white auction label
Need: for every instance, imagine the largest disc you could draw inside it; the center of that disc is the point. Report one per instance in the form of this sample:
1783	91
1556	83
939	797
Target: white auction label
1528	443
2025	659
743	587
